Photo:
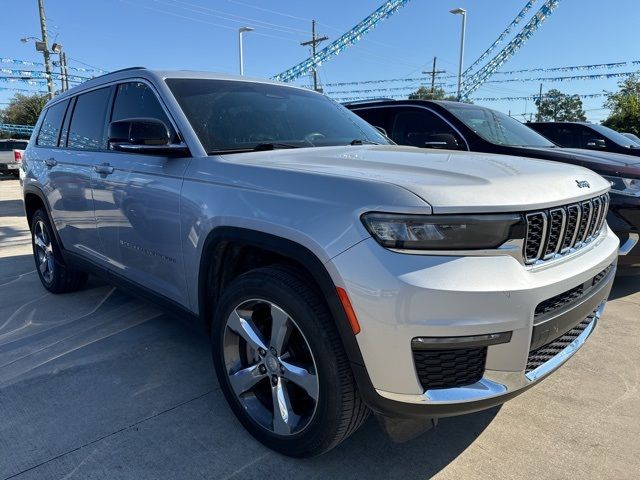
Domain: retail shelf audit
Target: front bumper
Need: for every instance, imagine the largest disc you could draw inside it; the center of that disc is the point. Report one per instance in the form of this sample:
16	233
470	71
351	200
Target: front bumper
399	297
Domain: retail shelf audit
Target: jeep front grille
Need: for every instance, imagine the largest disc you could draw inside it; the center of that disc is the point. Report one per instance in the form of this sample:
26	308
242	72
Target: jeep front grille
557	231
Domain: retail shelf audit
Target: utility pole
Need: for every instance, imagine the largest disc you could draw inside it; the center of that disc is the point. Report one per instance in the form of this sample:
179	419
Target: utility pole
62	63
45	51
433	74
63	59
539	116
314	42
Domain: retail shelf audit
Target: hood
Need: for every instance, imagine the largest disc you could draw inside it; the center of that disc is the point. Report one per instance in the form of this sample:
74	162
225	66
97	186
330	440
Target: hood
605	163
450	181
611	158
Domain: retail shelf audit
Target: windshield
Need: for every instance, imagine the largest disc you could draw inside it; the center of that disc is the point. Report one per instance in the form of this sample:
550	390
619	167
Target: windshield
633	137
236	115
496	127
613	135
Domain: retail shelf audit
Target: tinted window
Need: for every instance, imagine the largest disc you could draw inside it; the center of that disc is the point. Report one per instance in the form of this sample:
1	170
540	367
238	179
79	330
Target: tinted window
422	128
233	115
378	117
10	145
87	124
616	137
50	128
496	127
137	100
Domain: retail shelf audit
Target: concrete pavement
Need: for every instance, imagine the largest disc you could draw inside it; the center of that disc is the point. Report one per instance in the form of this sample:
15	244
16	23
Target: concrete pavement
97	384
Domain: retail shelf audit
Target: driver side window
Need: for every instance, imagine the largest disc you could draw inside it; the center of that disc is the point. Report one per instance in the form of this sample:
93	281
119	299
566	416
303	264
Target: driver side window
137	100
422	128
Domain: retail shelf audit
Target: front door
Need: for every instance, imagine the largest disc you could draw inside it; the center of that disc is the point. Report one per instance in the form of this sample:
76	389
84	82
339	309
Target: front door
137	203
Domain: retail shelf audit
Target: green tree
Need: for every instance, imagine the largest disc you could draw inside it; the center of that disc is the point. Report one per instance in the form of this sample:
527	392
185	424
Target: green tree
23	109
625	107
560	107
424	93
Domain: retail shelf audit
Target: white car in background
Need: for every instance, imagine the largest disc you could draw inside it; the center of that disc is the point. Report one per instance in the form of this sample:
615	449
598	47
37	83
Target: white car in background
11	156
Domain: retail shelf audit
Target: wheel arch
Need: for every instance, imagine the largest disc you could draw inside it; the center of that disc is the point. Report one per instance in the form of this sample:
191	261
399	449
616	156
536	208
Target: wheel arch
34	199
213	275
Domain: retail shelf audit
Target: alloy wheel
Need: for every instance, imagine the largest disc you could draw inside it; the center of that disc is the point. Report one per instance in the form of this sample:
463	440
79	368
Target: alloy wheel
270	367
44	251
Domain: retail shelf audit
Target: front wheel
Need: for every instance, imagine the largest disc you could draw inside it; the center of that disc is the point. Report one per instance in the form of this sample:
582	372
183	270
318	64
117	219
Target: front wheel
281	364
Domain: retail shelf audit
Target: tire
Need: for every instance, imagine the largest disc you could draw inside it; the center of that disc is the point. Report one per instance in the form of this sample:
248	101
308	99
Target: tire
54	274
311	348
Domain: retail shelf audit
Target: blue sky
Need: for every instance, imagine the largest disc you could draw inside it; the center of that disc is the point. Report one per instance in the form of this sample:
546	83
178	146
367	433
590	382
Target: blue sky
202	35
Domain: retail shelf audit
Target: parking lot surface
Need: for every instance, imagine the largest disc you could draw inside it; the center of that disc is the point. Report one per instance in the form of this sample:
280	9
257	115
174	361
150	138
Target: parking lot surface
98	384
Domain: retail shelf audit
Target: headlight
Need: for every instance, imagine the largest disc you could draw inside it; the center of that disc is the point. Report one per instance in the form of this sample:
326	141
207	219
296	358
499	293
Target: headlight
443	232
625	186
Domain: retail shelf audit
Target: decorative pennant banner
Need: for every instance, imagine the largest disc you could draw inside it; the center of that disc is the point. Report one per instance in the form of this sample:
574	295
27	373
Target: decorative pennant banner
40	64
41	74
23	129
345	41
502	36
472	83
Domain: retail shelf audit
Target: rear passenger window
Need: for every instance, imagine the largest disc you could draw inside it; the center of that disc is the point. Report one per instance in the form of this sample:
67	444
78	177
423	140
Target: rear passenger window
137	100
50	128
87	124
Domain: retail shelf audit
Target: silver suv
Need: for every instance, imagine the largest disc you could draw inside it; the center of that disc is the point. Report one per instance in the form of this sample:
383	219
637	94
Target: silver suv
338	274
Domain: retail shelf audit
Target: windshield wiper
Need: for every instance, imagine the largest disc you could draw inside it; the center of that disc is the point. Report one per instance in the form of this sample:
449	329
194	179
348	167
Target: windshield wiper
359	141
258	148
272	146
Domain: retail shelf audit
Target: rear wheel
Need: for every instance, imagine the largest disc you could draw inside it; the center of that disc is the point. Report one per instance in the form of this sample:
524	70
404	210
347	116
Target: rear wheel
281	364
54	274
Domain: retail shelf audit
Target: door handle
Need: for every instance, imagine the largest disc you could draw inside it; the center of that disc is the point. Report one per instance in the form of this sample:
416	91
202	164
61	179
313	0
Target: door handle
103	169
50	162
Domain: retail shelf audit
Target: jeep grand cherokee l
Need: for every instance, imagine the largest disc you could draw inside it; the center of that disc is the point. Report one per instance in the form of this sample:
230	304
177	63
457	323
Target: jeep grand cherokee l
338	274
460	126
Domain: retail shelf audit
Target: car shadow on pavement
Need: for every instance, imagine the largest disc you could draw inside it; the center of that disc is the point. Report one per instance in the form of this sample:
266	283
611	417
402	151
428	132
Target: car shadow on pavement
11	208
124	381
625	286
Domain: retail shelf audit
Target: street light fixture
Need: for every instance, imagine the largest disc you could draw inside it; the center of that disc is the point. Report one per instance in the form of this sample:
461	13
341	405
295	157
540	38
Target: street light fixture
463	12
242	30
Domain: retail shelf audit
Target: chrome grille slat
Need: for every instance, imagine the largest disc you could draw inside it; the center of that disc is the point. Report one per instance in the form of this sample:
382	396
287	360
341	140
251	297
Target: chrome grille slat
560	230
557	220
573	218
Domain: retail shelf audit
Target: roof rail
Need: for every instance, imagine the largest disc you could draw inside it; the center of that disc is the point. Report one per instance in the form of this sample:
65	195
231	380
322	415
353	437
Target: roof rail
121	70
369	100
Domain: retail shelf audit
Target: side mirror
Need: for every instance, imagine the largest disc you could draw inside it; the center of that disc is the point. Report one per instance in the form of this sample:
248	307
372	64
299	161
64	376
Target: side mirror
143	135
596	143
442	140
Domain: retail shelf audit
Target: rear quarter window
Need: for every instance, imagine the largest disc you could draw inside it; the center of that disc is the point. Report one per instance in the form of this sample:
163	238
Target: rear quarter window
51	125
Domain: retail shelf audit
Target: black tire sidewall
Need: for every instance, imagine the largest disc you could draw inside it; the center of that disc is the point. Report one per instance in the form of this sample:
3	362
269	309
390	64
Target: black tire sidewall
315	436
58	268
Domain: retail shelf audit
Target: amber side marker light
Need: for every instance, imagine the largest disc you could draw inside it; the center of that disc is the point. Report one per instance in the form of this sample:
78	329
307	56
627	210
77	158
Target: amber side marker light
348	309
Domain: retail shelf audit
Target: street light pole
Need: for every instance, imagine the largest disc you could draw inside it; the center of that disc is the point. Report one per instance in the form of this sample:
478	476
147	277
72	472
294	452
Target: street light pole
45	51
463	12
241	30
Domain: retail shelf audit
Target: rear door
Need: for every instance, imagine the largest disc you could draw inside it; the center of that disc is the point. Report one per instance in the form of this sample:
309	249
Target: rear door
66	173
137	199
